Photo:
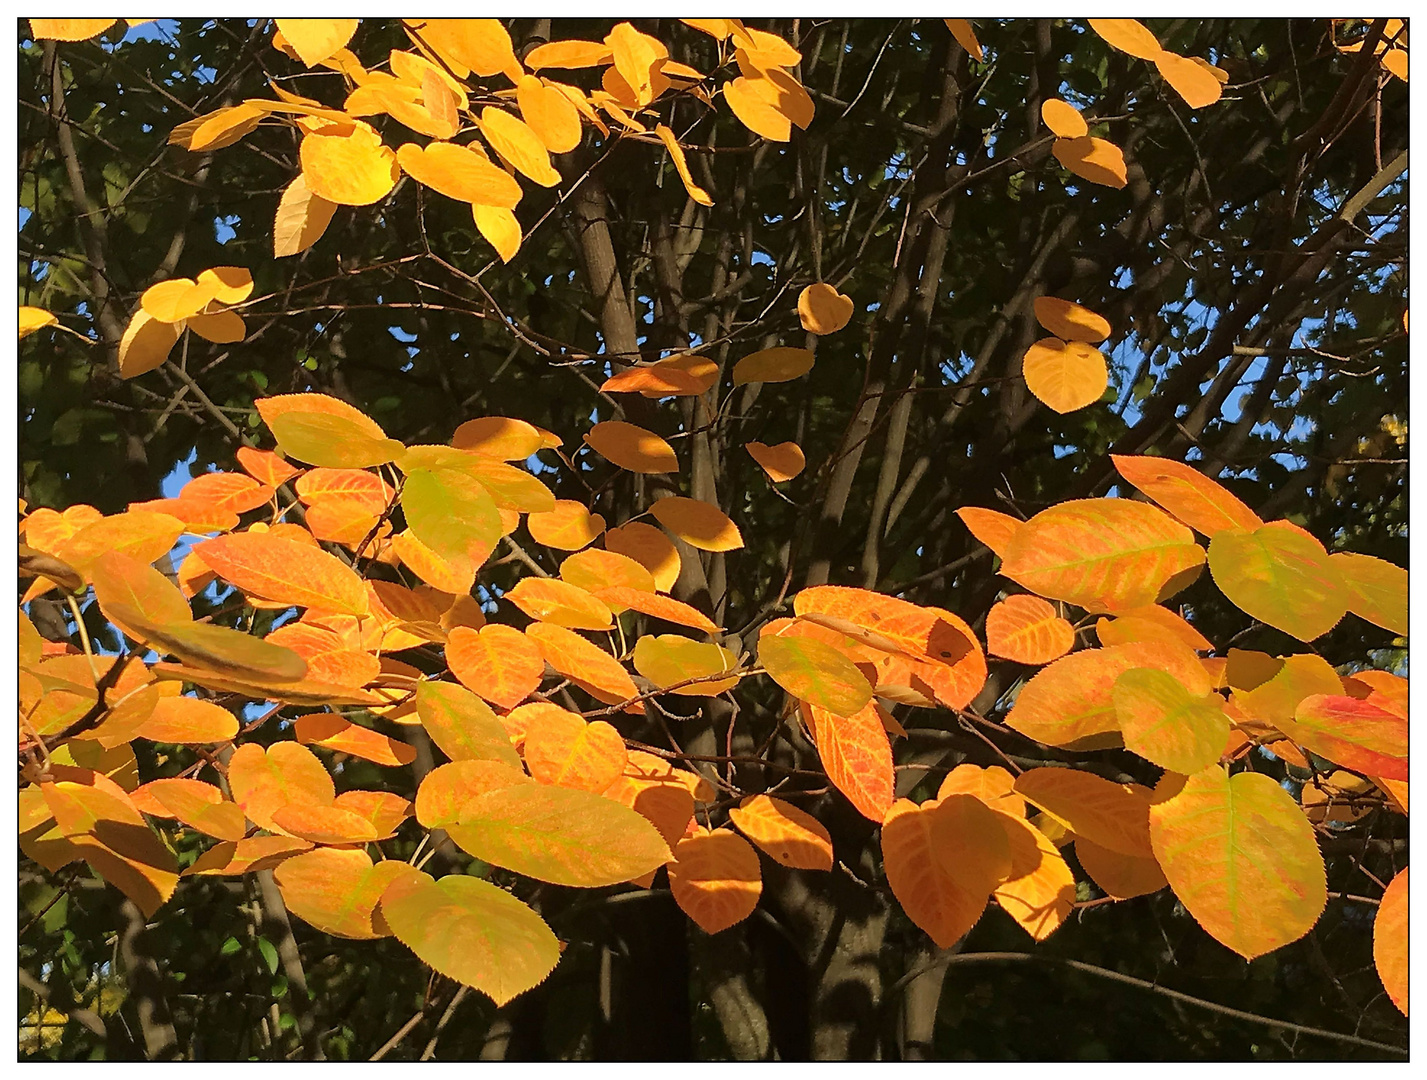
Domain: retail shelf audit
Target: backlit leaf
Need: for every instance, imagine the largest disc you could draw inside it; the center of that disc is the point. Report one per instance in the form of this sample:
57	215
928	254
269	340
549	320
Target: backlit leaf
1109	553
1275	700
1389	940
498	662
1129	36
632	447
499	437
856	755
188	720
1280	577
337	890
563	749
453	515
1027	629
699	524
1191	81
302	218
1120	876
479	45
1039	892
265	780
1064	120
991	527
681	165
352	169
568	527
1377	590
1092	159
1109	814
823	310
786	834
198	805
620	599
284	571
550	114
815	672
1351	732
992	785
1070	321
1240	855
1150	623
781	462
593	569
447	788
146	344
670	659
328	824
513	140
779	364
460	173
500	227
463	725
715	878
559	602
1065	375
231	652
650	548
588	666
331	732
265	466
322	430
471	931
932	899
572	53
34	318
1200	502
69	29
560	835
1164	723
246	856
752	101
676	376
315	40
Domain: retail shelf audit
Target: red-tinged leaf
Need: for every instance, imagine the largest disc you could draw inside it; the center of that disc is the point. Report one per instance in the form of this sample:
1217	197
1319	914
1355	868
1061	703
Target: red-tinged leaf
471	931
448	788
568	527
815	672
1039	892
1150	623
650	548
225	491
1352	733
991	527
463	725
856	755
936	902
1280	576
1377	590
112	836
619	598
1119	876
564	749
285	774
337	890
1201	503
786	834
246	856
498	662
1069	702
589	667
1389	940
699	524
285	571
1027	629
1166	724
120	579
560	835
1065	375
1242	858
676	376
142	536
669	659
198	805
1114	815
993	785
632	448
321	430
715	878
188	720
1093	159
1105	553
332	732
1275	700
1381	688
559	602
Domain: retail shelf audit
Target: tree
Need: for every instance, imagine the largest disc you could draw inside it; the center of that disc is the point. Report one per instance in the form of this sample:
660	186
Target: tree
690	445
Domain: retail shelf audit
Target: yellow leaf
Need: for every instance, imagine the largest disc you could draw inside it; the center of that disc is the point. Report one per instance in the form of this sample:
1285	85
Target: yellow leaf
69	29
336	890
175	300
823	310
1039	892
302	218
479	45
788	835
1065	375
670	659
565	750
1129	36
550	114
568	527
650	548
1280	576
780	364
632	448
1195	84
1027	629
561	603
460	173
1113	815
572	53
752	102
352	170
1092	159
1063	119
221	326
635	55
681	164
223	127
1120	876
697	523
314	40
513	140
782	462
146	344
938	903
1068	320
34	318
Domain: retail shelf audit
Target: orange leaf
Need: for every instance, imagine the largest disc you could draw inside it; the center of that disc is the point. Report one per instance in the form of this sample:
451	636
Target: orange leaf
447	788
563	749
1120	876
264	781
781	462
1242	858
499	437
632	448
498	662
1377	590
621	598
991	527
383	809
568	527
1353	733
650	548
200	806
676	376
1092	159
589	667
594	569
698	523
337	890
365	488
856	755
753	101
246	856
815	672
1389	940
331	732
992	785
69	29
1064	120
1193	82
328	824
285	571
965	36
786	834
780	364
1065	375
823	310
1114	815
1039	892
1070	321
265	466
188	720
1129	36
1027	629
938	903
681	166
715	878
559	602
1200	502
1150	623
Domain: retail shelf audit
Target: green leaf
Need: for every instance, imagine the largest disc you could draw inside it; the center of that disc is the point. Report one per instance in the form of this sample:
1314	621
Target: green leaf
452	514
1279	575
269	954
471	931
330	441
463	725
1164	723
815	672
561	835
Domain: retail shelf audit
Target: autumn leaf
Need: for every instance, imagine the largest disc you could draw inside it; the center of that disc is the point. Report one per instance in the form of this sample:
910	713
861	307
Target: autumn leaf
936	902
1389	940
1242	858
568	527
781	463
1118	875
1279	576
1377	590
1070	321
786	834
1200	502
1107	813
498	662
1093	159
1065	375
351	169
650	548
1065	121
823	310
631	447
337	890
814	672
566	750
715	878
1163	722
1129	36
1353	733
1027	629
856	755
322	430
284	571
462	725
699	524
264	781
780	364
